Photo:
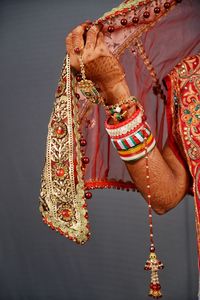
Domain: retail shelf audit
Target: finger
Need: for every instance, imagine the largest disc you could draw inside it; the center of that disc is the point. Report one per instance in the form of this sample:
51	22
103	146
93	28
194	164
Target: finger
74	62
91	38
77	37
100	39
101	44
69	44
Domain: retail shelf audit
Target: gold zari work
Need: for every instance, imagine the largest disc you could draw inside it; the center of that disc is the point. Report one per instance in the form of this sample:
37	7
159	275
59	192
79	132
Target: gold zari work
62	201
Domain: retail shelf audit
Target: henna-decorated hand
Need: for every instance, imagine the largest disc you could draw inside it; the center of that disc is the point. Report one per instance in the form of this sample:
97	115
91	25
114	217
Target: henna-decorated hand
100	65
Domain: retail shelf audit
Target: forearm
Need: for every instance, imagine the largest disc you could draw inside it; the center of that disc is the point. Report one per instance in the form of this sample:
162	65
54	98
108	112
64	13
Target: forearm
168	178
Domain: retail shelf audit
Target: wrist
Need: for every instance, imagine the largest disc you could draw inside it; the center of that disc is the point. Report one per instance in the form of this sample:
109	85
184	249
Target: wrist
116	92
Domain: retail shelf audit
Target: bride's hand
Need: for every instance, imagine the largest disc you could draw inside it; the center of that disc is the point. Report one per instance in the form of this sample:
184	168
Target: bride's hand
100	65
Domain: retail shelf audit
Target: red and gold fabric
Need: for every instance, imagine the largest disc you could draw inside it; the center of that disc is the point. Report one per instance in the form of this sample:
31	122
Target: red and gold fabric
79	155
183	113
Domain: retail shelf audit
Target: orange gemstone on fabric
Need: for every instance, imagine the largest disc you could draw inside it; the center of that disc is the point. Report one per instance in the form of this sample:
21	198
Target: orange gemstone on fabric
60	130
60	172
66	213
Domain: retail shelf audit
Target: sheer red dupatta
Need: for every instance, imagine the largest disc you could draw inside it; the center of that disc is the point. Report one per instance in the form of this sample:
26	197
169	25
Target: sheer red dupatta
148	50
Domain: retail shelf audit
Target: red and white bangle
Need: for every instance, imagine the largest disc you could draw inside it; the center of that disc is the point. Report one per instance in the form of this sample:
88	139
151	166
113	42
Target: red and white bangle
132	138
138	152
126	126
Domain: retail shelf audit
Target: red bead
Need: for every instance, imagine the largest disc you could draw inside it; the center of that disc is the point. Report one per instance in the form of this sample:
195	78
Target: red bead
77	50
124	22
83	142
154	287
157	10
135	20
88	195
111	28
157	288
60	172
167	5
77	96
86	215
85	160
146	14
78	77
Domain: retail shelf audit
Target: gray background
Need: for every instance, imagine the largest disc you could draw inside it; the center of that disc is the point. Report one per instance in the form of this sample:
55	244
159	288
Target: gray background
36	263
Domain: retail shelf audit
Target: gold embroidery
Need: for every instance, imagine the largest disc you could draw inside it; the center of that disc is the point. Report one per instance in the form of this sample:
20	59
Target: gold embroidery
62	201
185	80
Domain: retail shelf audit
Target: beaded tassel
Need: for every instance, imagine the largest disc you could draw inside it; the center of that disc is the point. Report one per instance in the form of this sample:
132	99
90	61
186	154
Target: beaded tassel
152	264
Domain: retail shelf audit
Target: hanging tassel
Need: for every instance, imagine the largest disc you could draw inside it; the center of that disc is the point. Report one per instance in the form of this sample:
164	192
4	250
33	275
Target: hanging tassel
153	265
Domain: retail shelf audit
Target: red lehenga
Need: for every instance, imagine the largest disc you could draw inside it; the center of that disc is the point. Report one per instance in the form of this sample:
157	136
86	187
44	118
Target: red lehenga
183	114
149	38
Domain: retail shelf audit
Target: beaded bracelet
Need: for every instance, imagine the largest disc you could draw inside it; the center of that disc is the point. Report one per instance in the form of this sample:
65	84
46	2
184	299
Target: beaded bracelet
118	112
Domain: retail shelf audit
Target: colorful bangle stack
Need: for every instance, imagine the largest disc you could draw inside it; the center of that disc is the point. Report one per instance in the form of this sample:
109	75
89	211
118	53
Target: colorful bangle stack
131	136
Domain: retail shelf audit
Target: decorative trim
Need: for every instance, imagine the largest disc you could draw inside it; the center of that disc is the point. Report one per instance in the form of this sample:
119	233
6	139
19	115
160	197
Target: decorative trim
62	195
108	184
